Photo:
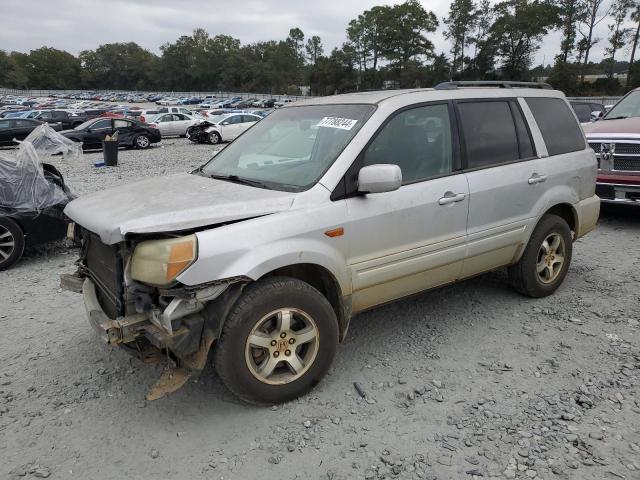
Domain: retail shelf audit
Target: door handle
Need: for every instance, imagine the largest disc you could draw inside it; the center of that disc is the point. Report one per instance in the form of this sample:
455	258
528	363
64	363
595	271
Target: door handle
450	197
535	178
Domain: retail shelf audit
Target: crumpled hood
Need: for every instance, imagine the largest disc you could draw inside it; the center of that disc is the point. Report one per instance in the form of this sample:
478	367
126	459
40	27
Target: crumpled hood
171	203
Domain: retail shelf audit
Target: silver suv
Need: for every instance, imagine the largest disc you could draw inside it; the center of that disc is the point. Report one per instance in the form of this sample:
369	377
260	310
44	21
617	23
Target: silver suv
327	208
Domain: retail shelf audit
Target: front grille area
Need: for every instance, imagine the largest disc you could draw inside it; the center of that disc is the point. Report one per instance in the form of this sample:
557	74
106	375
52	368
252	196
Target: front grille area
626	157
104	266
627	164
621	148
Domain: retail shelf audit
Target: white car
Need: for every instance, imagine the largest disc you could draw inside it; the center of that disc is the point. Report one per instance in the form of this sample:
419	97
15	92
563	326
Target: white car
228	126
173	124
328	209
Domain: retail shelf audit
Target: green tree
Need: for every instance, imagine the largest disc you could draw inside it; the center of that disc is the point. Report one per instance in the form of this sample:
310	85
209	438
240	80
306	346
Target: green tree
460	25
484	47
517	32
635	16
590	16
122	66
619	33
314	49
49	68
403	36
570	11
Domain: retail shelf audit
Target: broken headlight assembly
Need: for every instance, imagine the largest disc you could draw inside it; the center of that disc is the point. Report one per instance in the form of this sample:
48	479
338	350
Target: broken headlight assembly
159	262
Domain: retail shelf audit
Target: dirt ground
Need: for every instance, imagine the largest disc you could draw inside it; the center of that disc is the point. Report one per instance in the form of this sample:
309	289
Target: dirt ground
471	380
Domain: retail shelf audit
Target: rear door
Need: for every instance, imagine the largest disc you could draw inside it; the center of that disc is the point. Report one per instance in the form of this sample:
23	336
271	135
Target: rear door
411	239
505	180
126	131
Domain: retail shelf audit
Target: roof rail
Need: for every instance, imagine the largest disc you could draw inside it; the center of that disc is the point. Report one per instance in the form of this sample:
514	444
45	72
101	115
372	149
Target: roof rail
493	83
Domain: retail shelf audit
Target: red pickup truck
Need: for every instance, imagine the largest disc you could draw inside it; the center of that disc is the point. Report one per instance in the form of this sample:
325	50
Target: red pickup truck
615	138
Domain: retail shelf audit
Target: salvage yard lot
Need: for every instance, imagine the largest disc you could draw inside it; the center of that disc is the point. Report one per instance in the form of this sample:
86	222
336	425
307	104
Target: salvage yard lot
470	379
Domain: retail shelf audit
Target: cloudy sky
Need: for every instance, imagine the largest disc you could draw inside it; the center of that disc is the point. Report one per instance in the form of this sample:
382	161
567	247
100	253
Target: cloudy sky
76	25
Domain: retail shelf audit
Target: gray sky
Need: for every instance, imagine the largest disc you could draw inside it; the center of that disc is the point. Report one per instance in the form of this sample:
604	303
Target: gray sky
76	25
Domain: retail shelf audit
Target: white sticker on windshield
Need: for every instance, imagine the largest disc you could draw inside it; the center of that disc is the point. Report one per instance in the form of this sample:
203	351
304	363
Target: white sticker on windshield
336	122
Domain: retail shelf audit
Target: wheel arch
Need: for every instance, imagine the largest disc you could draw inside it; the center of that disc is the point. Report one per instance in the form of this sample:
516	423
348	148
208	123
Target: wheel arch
567	212
325	282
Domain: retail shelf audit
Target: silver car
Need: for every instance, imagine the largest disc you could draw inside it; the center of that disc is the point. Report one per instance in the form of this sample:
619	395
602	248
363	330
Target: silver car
327	208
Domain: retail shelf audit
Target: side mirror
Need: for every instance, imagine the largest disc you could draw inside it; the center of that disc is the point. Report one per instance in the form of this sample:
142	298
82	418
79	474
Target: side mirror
379	178
595	115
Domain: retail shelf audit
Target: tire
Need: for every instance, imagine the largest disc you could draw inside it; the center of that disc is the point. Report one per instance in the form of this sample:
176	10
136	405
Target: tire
525	276
214	138
142	142
11	242
265	304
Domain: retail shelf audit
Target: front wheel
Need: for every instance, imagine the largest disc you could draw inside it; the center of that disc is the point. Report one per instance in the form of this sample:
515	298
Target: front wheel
11	242
214	138
142	142
546	258
278	341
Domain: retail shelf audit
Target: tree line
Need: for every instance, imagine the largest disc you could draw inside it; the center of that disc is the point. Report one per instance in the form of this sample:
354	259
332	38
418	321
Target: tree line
385	47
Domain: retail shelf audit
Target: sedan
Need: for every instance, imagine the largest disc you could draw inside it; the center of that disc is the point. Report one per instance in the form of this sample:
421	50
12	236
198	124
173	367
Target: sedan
131	133
173	124
229	126
19	128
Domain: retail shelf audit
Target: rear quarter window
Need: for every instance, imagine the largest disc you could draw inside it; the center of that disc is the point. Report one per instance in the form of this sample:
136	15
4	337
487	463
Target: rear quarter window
560	130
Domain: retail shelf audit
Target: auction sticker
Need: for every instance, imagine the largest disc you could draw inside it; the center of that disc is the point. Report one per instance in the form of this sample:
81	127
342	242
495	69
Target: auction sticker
337	122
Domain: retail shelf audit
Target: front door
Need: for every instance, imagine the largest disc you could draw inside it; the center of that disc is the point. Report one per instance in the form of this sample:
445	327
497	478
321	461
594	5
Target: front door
411	239
97	132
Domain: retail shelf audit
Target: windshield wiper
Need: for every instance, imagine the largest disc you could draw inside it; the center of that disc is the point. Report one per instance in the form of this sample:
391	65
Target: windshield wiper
237	179
615	118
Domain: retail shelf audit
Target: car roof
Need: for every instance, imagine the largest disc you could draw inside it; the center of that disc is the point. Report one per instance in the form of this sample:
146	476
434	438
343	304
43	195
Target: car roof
425	95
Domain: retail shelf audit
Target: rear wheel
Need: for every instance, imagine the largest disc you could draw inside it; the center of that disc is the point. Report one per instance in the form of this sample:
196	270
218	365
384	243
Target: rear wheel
11	242
546	258
215	138
142	142
278	341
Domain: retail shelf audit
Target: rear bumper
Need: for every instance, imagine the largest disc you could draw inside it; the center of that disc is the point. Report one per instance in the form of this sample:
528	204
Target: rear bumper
588	211
619	193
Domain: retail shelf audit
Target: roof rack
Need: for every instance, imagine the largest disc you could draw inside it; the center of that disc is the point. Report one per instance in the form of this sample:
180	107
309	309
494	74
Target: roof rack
493	83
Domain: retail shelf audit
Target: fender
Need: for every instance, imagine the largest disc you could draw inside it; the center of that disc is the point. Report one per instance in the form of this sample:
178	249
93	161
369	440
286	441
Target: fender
257	246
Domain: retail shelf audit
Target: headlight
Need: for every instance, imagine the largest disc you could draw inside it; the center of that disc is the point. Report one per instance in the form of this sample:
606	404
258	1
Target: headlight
159	262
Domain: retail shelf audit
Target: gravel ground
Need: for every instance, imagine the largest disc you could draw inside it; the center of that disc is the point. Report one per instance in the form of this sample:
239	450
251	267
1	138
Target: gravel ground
467	380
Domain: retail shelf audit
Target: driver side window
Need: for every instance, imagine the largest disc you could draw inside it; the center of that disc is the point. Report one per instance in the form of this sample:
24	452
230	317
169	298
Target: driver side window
418	141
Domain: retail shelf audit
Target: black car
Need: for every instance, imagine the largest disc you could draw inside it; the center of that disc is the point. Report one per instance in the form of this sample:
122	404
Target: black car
131	133
19	128
585	110
21	228
67	119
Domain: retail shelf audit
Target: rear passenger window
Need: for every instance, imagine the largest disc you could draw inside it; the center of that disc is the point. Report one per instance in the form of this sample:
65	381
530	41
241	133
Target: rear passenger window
490	134
560	131
418	141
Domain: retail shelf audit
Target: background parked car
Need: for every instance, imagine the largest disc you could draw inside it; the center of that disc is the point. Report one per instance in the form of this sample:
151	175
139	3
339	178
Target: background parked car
66	118
173	123
19	128
131	133
228	126
585	110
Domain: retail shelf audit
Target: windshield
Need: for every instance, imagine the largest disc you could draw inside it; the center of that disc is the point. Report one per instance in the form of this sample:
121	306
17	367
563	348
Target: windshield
629	106
291	148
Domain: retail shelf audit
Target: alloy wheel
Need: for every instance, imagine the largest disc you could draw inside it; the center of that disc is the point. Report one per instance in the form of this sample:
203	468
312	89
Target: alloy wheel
282	346
551	258
142	141
7	243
